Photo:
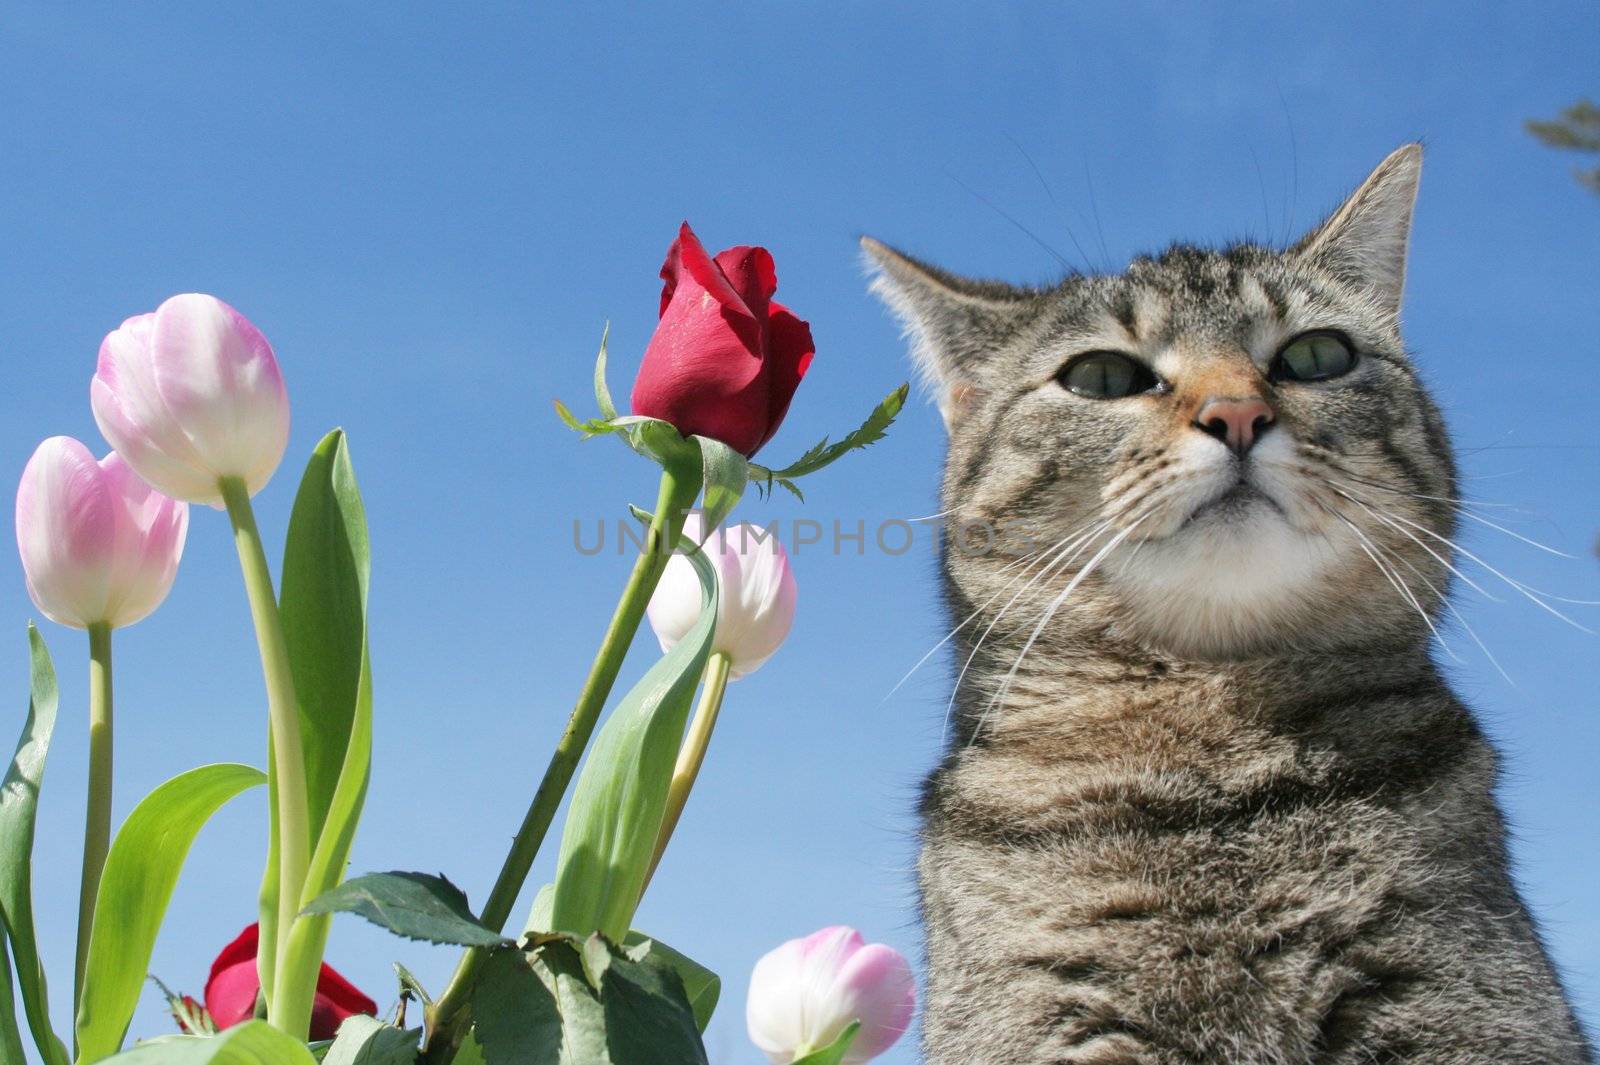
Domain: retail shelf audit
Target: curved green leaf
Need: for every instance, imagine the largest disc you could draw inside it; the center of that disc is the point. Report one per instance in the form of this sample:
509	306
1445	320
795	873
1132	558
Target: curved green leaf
602	391
324	609
824	454
621	794
19	802
835	1051
10	1035
326	568
140	873
725	472
366	1040
251	1043
701	986
412	905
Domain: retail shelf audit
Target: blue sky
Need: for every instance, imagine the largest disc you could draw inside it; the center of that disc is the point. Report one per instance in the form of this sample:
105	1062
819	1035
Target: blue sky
432	217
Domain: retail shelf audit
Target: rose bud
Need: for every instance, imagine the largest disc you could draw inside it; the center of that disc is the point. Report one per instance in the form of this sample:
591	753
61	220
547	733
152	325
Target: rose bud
805	993
191	394
234	984
755	609
725	359
98	545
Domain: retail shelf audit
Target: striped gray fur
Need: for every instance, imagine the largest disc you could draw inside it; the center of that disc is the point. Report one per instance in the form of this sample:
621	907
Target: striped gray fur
1207	797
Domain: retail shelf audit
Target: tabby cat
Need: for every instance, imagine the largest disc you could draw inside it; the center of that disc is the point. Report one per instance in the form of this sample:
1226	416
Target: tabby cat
1207	796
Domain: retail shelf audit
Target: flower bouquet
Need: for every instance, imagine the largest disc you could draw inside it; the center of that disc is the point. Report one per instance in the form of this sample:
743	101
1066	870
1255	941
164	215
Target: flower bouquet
192	400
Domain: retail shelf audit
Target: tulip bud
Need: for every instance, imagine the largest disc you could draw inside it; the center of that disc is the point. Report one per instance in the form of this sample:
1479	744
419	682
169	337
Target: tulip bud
98	545
192	394
234	984
805	993
756	605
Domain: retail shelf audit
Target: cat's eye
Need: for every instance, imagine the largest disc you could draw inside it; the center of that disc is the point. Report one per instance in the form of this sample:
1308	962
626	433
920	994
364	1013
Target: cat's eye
1106	375
1315	356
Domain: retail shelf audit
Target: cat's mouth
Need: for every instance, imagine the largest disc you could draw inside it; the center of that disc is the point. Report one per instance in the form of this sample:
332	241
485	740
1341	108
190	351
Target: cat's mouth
1235	503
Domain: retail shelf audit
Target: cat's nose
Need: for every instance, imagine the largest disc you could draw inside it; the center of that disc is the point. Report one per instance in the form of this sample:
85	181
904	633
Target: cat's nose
1237	422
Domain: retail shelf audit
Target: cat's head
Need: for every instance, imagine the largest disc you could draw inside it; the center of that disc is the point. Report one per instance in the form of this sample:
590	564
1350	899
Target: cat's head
1236	438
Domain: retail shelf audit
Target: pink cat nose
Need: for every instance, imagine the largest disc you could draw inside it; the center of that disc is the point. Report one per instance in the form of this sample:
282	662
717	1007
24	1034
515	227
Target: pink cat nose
1238	423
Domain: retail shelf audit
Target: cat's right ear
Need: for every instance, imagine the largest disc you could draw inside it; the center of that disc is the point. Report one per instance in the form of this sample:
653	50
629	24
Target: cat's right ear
954	324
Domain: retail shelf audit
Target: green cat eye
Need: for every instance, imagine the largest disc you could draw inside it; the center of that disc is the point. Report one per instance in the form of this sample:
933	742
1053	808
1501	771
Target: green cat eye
1106	375
1314	357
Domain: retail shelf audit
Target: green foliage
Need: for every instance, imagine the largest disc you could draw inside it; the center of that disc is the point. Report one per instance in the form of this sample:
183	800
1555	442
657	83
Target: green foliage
823	454
1578	130
140	873
323	606
620	798
368	1041
10	1035
19	803
413	905
835	1051
724	473
701	986
251	1043
565	1001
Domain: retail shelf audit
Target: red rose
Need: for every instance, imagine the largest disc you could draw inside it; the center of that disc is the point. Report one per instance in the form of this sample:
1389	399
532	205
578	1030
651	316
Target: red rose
231	991
725	359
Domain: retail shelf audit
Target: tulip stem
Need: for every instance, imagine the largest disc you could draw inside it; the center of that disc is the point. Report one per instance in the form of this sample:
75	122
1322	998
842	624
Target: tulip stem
692	754
680	486
97	822
288	761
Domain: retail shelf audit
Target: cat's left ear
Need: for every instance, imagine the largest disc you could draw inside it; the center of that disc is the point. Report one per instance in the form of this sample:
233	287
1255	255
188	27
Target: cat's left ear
1365	240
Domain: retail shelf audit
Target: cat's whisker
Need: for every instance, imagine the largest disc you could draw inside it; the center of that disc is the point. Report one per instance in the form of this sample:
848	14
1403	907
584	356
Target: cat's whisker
1398	582
1532	594
1062	558
1387	519
1463	507
1443	599
1030	558
1050	611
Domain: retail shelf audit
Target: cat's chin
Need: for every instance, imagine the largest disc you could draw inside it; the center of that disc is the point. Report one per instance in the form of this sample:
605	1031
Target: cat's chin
1237	578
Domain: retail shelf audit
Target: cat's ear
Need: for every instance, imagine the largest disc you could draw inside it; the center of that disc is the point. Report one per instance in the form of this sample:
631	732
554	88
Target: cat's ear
955	325
1365	240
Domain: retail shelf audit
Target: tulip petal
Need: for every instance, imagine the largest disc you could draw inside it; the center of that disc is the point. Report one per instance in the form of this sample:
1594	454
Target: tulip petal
876	986
221	384
131	414
66	532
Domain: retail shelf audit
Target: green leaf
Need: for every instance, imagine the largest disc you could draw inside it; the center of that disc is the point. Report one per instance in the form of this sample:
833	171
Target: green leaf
251	1043
368	1041
517	1020
648	1018
725	474
824	454
835	1051
19	802
326	566
413	905
324	609
409	984
620	798
566	1002
701	986
10	1035
602	391
140	873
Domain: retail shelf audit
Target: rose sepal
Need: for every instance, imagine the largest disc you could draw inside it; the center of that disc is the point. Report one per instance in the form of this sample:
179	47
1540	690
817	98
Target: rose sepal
823	454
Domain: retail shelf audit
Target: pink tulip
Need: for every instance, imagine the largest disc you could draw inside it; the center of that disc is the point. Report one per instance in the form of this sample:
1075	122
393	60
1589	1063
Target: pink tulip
192	394
806	992
97	543
758	594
